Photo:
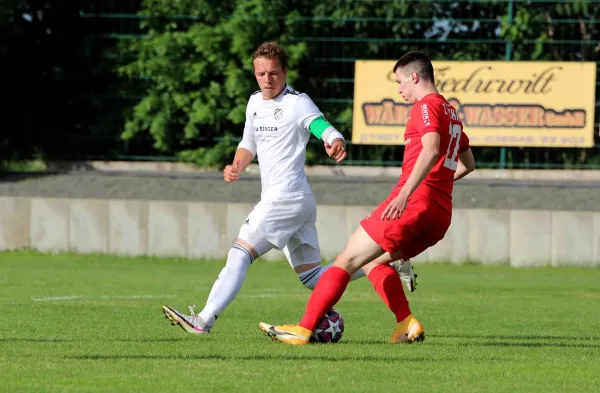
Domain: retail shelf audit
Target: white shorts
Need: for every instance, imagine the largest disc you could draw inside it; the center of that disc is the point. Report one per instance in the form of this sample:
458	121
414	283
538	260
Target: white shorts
288	224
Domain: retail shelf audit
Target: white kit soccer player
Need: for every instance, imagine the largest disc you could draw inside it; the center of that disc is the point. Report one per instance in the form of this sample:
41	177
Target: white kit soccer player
279	123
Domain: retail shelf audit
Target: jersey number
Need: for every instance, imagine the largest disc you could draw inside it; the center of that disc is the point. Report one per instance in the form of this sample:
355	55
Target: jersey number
451	160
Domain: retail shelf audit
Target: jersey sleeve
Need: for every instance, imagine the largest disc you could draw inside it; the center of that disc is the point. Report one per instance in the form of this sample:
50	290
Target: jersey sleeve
427	118
305	112
463	143
248	141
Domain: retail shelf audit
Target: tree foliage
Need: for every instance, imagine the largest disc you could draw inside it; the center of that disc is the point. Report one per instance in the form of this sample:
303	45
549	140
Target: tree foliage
177	80
197	72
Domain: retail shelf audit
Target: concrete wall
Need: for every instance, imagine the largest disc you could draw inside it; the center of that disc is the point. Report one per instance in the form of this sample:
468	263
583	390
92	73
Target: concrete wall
198	230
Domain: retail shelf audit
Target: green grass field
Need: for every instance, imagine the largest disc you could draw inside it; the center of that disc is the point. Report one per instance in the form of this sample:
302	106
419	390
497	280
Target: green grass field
93	323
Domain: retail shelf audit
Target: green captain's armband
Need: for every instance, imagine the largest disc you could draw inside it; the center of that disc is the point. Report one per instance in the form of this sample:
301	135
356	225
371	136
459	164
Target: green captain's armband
318	126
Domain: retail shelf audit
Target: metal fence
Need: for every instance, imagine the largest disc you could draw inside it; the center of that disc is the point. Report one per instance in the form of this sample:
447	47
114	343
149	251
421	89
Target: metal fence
570	36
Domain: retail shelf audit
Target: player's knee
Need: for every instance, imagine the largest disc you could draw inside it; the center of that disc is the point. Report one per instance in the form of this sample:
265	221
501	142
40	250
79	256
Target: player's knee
239	257
345	261
351	264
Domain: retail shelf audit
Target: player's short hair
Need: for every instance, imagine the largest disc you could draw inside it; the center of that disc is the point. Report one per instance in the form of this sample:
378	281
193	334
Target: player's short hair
272	49
417	62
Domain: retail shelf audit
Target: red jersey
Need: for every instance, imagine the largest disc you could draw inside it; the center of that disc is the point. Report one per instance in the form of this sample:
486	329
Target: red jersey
434	114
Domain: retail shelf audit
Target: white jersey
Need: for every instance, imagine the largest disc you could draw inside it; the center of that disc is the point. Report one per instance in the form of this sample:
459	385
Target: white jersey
277	131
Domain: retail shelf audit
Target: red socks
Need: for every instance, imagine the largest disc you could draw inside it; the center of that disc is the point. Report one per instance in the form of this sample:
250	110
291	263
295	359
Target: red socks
327	293
388	285
333	283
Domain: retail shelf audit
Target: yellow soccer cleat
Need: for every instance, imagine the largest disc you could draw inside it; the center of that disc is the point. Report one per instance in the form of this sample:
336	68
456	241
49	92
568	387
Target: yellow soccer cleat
289	334
408	331
266	329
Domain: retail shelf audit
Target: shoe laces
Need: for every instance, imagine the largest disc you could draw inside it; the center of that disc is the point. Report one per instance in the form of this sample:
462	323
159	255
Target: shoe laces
192	312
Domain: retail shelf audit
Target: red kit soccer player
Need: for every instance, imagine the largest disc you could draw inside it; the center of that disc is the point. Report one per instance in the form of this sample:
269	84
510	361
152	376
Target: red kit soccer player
414	217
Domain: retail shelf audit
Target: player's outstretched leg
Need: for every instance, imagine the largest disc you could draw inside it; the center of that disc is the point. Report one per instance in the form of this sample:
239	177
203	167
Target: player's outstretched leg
224	290
330	288
229	283
360	250
387	284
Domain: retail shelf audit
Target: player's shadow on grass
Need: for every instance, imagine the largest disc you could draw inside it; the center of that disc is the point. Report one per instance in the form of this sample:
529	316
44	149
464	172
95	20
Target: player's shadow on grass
361	342
433	341
152	340
518	344
523	344
37	340
514	337
279	357
67	340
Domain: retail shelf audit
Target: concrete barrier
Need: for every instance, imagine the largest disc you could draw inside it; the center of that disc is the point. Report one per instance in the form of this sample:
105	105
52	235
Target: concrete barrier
530	237
454	247
88	226
49	224
521	238
128	227
14	222
572	238
488	231
167	229
207	230
333	229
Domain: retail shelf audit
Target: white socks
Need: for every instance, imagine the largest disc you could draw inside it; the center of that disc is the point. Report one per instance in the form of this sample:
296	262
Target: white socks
229	283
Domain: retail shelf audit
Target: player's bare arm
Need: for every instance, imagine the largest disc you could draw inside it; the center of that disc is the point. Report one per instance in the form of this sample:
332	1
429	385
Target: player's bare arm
466	164
425	161
242	159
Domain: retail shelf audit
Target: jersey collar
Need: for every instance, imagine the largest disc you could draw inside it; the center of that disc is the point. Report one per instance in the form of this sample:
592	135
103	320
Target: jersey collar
282	93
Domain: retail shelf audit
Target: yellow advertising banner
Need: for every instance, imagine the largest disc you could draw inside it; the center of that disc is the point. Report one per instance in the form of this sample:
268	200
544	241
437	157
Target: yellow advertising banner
541	104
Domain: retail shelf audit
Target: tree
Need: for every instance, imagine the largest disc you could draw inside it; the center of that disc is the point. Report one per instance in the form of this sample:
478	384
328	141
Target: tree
194	65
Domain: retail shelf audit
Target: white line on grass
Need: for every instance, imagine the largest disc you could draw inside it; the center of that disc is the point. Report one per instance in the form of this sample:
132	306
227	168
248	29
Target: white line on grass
130	297
273	294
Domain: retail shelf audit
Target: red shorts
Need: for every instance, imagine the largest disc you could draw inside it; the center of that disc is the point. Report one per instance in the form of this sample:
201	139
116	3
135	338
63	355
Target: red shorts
423	223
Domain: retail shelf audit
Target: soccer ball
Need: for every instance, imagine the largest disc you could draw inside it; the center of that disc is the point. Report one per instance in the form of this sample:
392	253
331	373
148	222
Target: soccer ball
330	329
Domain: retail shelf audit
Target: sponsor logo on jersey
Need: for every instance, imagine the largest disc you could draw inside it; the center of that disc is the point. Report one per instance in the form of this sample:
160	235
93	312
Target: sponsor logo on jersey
407	142
265	129
425	113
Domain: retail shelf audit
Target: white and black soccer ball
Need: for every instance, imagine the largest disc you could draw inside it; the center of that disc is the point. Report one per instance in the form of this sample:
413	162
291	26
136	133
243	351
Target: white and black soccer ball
330	329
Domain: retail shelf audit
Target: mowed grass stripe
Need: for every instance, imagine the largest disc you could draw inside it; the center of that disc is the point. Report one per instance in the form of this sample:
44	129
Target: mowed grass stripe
488	328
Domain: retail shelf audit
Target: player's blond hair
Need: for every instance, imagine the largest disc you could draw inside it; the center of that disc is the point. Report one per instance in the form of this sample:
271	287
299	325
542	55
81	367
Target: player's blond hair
272	50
